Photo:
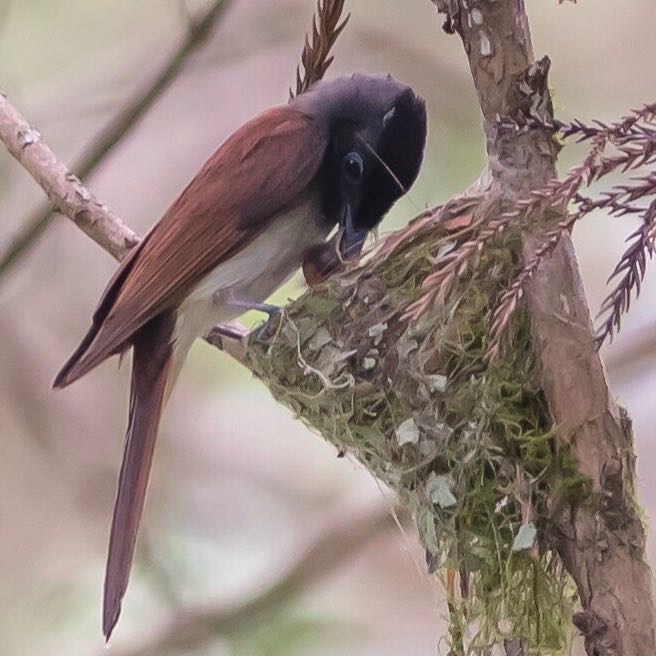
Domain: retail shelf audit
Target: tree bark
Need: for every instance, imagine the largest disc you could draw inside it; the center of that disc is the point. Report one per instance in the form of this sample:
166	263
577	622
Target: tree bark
64	189
601	541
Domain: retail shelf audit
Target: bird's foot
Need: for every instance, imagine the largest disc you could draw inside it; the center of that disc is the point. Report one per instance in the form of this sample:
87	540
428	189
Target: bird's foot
271	310
265	329
266	308
236	332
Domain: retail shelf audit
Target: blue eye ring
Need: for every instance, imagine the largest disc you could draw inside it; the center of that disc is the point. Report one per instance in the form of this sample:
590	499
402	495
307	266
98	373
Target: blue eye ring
353	167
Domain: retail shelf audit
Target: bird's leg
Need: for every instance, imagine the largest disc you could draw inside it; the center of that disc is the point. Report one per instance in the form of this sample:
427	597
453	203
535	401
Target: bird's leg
234	330
266	308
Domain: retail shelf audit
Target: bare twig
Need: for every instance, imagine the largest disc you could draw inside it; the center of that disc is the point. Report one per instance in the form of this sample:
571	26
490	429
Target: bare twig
64	189
74	200
315	58
200	29
192	627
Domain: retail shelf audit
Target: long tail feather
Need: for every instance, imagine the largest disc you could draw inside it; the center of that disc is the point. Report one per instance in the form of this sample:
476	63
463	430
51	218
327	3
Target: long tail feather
151	367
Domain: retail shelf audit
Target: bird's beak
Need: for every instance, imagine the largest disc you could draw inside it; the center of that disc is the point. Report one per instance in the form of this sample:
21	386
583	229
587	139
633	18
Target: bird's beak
352	240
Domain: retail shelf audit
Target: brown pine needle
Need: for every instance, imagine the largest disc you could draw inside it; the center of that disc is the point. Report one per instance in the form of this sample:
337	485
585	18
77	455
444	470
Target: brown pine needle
634	140
631	267
315	58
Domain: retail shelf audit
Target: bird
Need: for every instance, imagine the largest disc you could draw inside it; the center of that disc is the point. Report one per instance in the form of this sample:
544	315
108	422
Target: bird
335	157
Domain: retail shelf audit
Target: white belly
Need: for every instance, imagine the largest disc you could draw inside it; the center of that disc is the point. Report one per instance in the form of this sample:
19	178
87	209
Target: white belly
250	276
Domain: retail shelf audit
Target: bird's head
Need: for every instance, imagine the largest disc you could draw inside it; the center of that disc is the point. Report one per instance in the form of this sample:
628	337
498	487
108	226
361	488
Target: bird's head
376	136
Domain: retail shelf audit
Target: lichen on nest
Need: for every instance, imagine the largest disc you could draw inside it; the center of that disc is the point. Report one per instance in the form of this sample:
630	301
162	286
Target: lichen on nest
467	444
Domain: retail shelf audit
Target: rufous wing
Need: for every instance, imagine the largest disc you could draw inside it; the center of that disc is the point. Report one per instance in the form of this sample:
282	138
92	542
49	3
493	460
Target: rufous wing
256	173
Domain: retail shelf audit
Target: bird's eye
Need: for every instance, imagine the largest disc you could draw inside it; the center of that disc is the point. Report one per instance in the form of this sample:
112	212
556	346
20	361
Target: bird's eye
353	167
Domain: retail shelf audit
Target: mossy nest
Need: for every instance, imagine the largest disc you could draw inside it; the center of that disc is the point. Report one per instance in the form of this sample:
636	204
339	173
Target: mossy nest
467	445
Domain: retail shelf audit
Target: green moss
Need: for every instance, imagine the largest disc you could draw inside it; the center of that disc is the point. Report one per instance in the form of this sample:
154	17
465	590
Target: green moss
467	445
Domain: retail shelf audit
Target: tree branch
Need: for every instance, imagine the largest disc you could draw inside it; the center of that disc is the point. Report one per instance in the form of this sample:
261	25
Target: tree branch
74	200
601	541
192	627
64	189
199	30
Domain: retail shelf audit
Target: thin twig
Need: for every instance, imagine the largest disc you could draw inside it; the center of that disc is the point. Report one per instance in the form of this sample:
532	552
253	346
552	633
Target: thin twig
63	188
74	200
200	29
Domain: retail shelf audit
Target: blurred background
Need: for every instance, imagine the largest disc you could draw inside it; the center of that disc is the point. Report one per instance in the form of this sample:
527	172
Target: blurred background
240	490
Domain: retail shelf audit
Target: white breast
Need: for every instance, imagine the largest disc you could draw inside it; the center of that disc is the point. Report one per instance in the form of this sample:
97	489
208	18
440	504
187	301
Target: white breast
252	275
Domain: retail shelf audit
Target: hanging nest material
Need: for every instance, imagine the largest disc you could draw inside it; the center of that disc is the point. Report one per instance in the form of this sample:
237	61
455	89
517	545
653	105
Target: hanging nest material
467	444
